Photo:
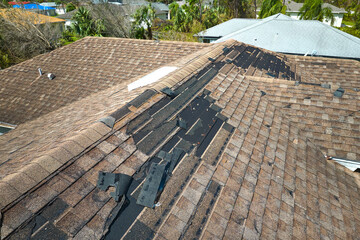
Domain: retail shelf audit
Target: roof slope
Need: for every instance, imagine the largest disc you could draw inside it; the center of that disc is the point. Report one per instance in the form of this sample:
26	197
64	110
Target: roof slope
19	16
312	37
244	168
236	24
82	68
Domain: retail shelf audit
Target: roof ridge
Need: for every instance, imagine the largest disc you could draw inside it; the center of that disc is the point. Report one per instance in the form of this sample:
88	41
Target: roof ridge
143	40
192	66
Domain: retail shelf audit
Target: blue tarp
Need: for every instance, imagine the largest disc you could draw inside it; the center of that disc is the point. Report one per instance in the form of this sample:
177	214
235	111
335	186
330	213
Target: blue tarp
33	6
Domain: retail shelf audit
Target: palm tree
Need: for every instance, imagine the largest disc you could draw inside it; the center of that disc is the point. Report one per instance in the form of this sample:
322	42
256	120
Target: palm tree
313	10
85	25
271	7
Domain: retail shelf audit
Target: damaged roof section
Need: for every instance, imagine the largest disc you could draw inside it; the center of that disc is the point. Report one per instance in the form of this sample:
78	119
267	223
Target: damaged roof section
210	154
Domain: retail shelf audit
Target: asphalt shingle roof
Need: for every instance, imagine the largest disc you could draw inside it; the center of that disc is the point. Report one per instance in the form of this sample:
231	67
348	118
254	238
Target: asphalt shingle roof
85	67
248	166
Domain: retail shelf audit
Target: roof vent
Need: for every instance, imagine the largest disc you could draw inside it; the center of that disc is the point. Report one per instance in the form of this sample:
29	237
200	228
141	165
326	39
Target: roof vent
51	76
313	53
339	92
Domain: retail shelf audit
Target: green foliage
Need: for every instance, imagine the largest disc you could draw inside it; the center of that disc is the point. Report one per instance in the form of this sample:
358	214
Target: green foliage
143	21
194	17
271	7
237	8
85	25
351	30
4	60
313	10
70	7
68	37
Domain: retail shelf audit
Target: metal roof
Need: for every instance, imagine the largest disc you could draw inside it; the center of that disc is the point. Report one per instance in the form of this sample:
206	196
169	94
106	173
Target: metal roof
298	37
235	24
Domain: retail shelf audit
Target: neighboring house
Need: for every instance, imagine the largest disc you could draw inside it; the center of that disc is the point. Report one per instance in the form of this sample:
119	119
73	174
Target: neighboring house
68	17
161	9
283	34
36	8
59	9
293	9
229	145
19	16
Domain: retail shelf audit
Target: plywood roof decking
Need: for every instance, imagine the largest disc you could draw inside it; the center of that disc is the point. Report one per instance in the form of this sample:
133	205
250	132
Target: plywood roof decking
255	173
82	68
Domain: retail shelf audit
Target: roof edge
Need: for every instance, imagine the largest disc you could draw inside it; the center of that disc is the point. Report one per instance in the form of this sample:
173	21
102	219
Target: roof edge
23	181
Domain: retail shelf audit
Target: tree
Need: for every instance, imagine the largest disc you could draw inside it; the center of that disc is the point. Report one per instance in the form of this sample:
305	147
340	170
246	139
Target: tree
271	7
113	18
143	20
70	7
85	25
23	37
313	10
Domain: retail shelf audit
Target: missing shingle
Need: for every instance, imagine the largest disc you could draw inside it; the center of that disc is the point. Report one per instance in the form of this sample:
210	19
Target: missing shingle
271	74
203	210
206	92
181	123
140	231
142	98
290	192
210	99
120	113
215	108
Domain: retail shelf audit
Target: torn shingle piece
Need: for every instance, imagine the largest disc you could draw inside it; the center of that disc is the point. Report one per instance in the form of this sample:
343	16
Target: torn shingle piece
168	92
153	183
108	121
120	181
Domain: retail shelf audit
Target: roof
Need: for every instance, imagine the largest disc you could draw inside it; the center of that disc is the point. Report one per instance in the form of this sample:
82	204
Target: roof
19	16
33	6
238	164
234	25
84	67
49	4
292	6
311	37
